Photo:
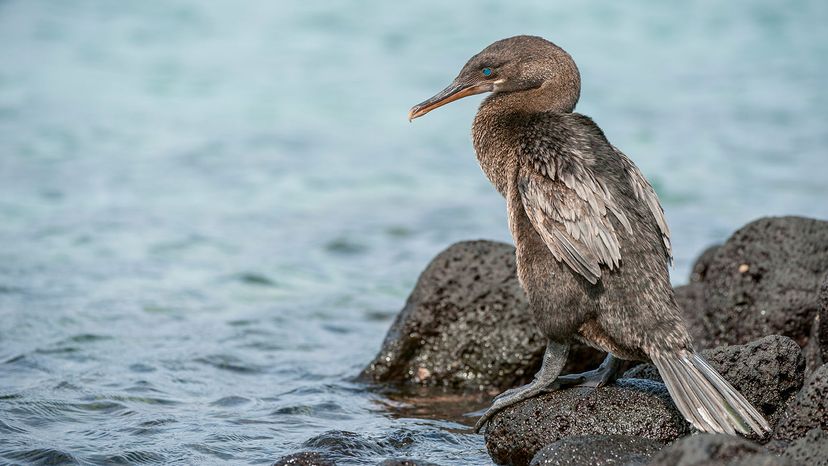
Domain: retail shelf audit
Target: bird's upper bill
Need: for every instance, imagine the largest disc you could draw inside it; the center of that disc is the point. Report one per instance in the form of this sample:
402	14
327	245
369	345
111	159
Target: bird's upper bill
456	90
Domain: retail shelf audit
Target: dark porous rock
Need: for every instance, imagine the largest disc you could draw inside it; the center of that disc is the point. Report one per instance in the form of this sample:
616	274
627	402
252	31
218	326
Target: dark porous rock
817	348
702	265
467	325
812	449
768	372
808	410
716	450
764	280
822	320
597	450
630	407
304	458
690	299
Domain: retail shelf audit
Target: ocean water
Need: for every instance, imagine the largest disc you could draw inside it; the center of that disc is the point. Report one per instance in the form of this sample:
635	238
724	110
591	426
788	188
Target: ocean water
211	211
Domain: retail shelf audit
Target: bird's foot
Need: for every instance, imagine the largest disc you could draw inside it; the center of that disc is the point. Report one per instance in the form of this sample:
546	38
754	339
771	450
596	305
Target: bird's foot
607	372
514	396
545	381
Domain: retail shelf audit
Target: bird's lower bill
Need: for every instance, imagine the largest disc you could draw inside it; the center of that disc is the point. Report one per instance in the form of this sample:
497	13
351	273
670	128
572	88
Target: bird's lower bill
454	92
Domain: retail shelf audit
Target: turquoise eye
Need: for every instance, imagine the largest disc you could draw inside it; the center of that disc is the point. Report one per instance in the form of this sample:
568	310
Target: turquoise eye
487	71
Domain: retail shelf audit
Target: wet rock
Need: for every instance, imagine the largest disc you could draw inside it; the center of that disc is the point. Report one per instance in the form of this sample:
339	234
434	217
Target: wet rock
812	449
764	281
629	407
768	372
597	450
467	325
716	450
808	410
405	462
340	444
304	458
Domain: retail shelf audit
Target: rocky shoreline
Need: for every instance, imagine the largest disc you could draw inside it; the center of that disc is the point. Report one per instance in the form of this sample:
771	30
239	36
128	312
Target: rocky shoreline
757	306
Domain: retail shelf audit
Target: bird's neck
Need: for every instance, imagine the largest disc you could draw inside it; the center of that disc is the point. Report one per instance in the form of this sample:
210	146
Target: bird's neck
498	125
493	137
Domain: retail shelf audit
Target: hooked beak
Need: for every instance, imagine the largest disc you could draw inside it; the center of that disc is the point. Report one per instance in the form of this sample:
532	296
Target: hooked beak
455	91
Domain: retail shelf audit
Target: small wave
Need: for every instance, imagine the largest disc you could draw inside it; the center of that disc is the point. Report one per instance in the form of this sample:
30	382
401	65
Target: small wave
10	429
228	401
229	363
131	457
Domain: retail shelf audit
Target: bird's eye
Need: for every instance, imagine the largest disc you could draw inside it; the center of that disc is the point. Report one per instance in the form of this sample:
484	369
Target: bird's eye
487	71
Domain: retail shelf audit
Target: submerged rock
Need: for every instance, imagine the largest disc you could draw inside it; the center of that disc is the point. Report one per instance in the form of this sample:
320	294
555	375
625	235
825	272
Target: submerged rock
405	462
764	280
467	324
716	450
808	410
304	458
630	407
597	450
768	372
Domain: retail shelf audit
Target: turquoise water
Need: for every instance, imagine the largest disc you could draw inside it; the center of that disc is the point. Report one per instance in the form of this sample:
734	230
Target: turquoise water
211	211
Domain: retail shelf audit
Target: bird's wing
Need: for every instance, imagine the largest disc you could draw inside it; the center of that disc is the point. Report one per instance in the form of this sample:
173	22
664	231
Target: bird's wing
644	192
570	209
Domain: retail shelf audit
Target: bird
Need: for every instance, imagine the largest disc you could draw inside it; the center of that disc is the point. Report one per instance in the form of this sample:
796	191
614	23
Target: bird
592	244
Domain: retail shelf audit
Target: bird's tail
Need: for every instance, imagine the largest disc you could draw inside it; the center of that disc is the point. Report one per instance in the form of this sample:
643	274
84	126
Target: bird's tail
706	399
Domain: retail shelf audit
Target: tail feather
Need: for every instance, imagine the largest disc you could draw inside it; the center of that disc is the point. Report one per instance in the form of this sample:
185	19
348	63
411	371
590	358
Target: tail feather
706	399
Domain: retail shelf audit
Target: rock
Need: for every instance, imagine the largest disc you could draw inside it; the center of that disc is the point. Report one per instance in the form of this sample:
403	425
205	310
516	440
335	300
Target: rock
304	458
768	372
812	449
629	407
808	410
817	349
700	268
764	281
690	299
597	450
467	325
405	462
716	450
341	444
822	319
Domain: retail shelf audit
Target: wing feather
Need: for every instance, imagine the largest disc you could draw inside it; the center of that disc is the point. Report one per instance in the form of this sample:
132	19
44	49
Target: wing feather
573	221
644	191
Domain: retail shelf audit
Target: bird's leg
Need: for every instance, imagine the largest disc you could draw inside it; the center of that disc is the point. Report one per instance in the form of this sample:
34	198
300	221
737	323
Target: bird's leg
545	381
607	372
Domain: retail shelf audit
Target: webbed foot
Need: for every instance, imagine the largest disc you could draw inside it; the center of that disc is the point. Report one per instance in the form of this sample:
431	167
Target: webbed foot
607	372
545	381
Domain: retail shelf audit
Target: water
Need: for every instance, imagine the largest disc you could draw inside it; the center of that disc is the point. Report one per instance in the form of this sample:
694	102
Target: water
211	211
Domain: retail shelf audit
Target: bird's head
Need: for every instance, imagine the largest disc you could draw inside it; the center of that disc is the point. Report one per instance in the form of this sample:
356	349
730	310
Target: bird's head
520	64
